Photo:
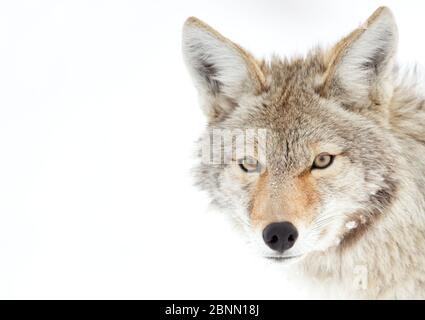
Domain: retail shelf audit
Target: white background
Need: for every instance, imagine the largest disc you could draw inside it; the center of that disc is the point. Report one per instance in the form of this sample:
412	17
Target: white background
97	122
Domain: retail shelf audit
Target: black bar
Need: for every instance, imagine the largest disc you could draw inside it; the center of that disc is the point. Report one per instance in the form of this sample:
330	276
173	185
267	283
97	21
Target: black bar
203	309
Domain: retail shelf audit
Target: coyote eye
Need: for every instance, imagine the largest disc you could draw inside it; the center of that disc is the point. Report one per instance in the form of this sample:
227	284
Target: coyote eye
249	165
323	161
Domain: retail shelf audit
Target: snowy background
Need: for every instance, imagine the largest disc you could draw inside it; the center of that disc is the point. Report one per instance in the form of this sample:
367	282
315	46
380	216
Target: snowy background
97	122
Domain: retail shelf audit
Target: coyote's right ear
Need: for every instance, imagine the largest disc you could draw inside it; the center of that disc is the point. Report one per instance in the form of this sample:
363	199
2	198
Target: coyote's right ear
222	71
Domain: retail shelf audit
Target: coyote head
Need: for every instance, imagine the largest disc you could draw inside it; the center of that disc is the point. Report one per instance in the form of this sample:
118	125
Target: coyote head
323	167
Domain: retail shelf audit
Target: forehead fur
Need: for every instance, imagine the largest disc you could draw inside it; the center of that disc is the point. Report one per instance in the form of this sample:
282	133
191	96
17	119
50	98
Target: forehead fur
292	90
291	109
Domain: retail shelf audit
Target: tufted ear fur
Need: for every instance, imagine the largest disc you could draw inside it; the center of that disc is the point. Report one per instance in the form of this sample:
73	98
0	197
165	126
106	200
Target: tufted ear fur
222	71
360	66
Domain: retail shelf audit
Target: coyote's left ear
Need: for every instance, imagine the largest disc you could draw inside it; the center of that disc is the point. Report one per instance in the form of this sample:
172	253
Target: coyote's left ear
360	66
222	71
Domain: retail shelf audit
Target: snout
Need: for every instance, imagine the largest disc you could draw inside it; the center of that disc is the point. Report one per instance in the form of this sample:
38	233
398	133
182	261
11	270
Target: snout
280	236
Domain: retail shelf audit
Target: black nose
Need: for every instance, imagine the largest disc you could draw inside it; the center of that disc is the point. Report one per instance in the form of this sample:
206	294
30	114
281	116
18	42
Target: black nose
280	236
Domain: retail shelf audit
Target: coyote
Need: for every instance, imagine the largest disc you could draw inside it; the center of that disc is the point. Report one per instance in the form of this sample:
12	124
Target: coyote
335	191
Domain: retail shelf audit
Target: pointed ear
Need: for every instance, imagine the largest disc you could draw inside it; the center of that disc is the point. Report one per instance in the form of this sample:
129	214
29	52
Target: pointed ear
359	67
222	71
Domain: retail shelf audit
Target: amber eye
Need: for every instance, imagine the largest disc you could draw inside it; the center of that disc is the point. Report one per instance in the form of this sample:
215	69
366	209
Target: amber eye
323	161
249	165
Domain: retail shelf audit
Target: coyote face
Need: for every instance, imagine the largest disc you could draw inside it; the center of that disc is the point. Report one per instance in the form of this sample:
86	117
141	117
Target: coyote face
325	169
